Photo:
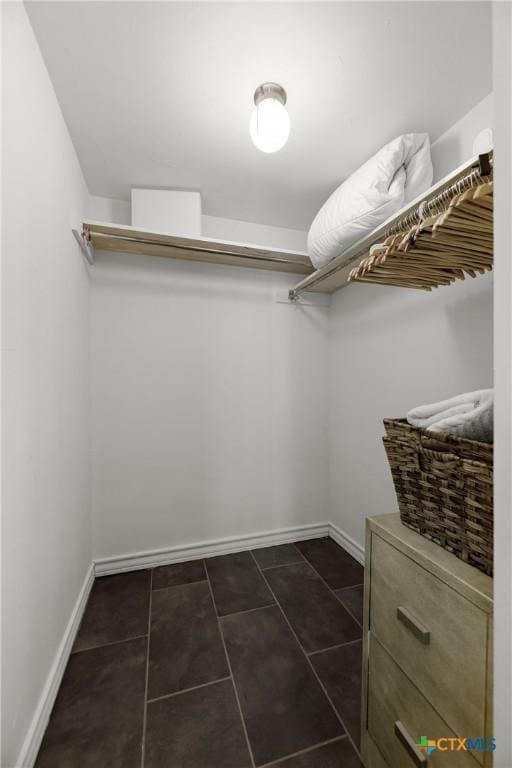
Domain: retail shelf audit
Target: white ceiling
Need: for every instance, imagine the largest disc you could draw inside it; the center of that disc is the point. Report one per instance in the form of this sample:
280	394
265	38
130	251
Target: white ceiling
160	94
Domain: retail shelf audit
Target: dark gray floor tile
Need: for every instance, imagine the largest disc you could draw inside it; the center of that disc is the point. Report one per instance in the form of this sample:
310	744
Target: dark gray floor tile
282	554
284	707
178	573
117	609
335	566
338	754
185	646
98	715
317	617
352	599
340	672
237	583
197	729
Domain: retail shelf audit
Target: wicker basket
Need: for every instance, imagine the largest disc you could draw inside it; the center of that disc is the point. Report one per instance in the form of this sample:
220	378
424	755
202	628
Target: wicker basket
444	486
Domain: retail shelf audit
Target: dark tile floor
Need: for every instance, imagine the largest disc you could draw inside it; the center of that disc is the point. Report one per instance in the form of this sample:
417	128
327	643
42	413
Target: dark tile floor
239	661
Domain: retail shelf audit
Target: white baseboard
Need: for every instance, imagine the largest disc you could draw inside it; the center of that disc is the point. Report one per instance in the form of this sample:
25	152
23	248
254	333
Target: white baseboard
180	554
34	737
347	542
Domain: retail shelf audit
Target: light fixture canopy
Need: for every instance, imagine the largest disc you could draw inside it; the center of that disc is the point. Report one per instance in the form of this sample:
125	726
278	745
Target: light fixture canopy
270	91
270	122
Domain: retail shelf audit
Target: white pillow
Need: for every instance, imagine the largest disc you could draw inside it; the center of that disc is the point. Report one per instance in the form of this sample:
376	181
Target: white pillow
397	174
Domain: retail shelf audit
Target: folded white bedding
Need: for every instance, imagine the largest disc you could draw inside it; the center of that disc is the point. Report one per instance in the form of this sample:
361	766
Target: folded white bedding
397	174
470	415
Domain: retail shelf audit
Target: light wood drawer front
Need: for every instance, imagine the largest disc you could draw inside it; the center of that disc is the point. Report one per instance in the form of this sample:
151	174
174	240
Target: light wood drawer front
393	698
437	636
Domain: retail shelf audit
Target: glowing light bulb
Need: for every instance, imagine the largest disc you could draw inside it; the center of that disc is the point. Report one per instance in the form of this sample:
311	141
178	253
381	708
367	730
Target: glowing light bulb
270	122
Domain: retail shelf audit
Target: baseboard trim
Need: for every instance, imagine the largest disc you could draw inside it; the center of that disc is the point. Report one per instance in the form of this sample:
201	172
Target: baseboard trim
179	554
34	737
347	542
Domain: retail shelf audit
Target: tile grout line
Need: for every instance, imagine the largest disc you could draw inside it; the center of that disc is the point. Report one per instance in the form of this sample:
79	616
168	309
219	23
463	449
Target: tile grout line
349	586
304	751
144	721
219	625
172	586
344	589
281	565
347	609
322	686
107	645
187	690
247	610
333	647
300	556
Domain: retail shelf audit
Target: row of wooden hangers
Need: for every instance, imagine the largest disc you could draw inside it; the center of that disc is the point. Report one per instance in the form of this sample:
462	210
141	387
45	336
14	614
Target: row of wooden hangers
453	239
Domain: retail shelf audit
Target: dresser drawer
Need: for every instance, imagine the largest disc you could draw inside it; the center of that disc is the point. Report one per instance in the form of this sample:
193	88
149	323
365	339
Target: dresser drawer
437	637
395	704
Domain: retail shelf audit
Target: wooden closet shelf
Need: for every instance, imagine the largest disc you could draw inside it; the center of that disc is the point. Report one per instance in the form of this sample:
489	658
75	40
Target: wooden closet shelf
125	239
335	275
328	279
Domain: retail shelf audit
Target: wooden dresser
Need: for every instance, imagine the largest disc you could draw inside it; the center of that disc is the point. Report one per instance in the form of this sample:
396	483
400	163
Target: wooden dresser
427	651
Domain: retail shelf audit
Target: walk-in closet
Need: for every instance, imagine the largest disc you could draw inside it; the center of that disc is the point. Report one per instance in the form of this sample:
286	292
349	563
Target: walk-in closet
256	367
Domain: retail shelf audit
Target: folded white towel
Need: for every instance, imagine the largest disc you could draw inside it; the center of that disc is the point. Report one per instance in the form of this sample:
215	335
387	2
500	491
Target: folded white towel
426	422
471	399
469	415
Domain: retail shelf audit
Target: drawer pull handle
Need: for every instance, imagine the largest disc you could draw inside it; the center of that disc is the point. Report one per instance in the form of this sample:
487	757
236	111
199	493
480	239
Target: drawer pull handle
413	625
408	743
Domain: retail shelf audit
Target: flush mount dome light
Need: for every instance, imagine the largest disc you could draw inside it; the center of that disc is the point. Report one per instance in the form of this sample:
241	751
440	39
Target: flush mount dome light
270	122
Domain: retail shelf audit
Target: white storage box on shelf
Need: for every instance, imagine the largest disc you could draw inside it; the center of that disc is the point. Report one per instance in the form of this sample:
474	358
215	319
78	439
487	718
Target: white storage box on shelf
165	210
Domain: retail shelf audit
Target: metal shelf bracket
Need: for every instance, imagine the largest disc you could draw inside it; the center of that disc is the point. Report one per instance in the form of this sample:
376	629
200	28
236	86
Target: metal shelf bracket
85	246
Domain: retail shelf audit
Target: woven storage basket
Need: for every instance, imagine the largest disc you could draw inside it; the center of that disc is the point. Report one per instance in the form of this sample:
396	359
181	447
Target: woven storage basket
444	486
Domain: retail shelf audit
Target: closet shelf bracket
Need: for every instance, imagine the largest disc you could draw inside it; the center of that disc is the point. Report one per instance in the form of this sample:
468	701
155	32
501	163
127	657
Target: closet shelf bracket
85	245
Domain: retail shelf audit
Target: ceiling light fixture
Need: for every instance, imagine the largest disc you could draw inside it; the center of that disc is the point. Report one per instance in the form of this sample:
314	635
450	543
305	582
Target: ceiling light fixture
270	122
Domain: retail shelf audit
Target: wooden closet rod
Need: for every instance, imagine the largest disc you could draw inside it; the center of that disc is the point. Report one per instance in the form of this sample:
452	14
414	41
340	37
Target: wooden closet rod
127	239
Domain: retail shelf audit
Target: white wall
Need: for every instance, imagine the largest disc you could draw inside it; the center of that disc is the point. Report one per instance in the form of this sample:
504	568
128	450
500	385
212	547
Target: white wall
391	349
46	480
455	146
108	209
258	234
119	212
209	407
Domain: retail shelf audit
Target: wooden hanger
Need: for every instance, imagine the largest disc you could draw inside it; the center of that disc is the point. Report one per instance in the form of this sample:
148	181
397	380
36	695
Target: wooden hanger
455	240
